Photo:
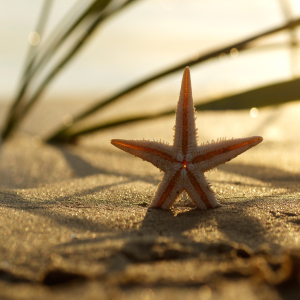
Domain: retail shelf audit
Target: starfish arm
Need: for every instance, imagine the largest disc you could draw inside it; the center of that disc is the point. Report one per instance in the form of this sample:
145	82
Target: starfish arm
214	154
198	188
185	139
168	190
159	154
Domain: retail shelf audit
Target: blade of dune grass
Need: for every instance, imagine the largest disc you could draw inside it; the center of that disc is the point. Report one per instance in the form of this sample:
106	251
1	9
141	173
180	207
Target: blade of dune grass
64	29
242	45
29	71
51	45
41	24
272	94
288	14
72	133
109	8
32	51
107	11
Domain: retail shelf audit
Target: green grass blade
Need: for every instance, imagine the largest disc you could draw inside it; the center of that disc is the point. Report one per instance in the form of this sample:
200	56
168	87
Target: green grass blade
273	94
242	45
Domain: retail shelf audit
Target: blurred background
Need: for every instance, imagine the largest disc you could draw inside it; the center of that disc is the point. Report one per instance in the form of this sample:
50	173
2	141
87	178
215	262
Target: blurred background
106	48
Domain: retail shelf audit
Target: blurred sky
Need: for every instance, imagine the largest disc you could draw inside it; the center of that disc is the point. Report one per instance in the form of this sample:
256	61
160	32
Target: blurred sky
147	37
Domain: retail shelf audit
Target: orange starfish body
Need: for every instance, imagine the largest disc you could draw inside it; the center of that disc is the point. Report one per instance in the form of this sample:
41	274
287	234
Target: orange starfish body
184	162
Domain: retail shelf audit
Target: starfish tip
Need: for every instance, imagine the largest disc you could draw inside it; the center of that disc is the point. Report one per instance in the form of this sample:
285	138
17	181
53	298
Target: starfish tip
257	140
186	72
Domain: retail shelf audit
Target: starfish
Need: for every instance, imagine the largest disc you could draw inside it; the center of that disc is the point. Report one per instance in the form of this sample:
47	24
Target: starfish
184	162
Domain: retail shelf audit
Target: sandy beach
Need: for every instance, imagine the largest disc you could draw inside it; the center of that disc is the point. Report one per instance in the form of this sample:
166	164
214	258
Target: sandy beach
74	219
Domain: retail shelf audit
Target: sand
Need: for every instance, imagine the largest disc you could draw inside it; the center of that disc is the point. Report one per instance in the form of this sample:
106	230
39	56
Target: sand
74	219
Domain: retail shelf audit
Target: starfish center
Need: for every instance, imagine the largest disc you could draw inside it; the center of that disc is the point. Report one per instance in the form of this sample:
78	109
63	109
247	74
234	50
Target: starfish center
184	164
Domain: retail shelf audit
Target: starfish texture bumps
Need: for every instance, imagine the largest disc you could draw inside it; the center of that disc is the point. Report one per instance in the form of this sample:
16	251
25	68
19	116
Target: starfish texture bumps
184	162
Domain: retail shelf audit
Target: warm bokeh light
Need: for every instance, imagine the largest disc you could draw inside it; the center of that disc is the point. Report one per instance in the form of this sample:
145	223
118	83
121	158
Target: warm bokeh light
204	292
234	52
223	56
34	38
147	294
254	112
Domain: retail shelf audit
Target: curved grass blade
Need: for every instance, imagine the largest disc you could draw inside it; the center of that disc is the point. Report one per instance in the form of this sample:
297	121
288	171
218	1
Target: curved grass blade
72	133
242	45
59	36
18	105
15	119
74	50
273	94
30	58
288	14
40	30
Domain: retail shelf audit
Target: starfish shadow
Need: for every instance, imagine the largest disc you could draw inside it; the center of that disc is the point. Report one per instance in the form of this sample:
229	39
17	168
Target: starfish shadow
160	237
239	226
165	235
156	223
